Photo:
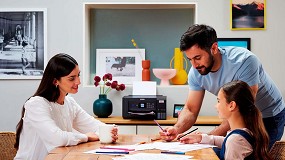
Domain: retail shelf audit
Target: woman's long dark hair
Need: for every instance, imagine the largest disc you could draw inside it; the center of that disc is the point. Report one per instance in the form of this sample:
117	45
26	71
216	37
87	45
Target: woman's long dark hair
58	66
241	93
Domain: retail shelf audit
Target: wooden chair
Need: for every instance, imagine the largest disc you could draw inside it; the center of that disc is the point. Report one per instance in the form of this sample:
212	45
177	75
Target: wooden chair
278	150
7	141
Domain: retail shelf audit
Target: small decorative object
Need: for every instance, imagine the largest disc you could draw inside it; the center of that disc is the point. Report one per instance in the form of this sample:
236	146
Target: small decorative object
181	75
145	64
103	107
145	71
164	74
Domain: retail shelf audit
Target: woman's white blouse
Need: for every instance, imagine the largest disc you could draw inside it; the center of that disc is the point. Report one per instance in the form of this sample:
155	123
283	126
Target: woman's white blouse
48	125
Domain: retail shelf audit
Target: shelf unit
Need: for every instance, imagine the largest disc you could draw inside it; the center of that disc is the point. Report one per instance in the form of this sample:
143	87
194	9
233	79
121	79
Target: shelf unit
89	7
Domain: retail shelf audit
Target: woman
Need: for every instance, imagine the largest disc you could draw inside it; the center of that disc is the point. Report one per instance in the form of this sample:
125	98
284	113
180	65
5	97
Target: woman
248	138
51	118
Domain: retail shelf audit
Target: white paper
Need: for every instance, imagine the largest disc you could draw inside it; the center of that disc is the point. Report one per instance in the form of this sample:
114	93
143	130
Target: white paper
144	88
177	146
153	156
168	146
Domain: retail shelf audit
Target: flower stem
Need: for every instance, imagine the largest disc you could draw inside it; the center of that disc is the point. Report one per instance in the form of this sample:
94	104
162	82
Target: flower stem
108	90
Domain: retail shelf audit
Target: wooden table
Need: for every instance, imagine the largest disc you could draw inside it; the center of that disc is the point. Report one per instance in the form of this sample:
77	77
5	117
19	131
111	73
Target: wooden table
76	152
201	120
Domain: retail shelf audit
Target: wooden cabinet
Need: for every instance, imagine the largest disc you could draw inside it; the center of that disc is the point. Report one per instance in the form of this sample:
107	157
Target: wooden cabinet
148	127
127	129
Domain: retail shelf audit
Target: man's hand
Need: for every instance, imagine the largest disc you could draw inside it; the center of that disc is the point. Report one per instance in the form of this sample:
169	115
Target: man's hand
168	134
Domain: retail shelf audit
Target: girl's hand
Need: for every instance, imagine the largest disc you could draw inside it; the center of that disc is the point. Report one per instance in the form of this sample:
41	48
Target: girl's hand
191	138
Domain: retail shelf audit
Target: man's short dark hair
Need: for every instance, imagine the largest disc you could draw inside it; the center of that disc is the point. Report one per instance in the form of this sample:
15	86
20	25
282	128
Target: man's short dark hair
202	35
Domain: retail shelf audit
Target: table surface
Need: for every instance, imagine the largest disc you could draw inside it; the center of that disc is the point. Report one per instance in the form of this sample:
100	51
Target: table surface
201	120
76	152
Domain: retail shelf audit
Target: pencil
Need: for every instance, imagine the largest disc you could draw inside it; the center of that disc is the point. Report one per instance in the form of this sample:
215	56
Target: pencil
159	125
187	133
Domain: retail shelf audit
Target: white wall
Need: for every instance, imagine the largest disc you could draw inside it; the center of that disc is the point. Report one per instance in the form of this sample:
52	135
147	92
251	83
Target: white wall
65	34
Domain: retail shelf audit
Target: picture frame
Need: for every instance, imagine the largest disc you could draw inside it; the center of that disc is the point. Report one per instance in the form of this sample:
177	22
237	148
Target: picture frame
239	42
23	43
248	14
124	64
177	108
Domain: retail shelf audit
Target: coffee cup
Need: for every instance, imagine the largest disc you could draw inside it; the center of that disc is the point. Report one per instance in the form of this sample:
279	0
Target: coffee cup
105	133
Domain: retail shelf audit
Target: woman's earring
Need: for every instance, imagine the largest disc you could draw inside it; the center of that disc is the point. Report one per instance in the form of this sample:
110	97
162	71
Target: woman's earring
56	85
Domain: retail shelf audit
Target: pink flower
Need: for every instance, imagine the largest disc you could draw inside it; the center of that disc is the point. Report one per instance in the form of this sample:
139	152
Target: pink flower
107	82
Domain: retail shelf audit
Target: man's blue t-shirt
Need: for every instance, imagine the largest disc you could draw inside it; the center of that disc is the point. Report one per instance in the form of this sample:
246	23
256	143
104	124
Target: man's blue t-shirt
240	64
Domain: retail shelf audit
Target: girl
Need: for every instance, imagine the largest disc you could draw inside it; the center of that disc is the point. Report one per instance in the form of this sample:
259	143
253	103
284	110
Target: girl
248	138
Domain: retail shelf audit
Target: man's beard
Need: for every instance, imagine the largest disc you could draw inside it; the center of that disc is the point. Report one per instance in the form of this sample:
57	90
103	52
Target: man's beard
207	69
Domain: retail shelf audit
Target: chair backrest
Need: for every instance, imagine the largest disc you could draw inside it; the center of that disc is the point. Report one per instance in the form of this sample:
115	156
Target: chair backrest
278	150
7	141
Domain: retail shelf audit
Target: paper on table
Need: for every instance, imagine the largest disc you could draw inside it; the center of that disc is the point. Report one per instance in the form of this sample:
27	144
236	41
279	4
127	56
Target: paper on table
152	156
137	147
177	146
167	146
144	88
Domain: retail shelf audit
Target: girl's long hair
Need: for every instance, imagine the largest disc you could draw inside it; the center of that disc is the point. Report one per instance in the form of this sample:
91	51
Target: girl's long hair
241	93
58	66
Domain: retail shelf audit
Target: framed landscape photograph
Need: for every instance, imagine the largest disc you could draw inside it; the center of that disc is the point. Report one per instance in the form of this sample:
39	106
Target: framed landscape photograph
248	14
238	42
124	64
22	43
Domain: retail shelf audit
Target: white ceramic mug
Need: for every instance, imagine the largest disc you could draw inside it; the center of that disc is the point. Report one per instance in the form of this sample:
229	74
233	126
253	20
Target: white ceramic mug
105	133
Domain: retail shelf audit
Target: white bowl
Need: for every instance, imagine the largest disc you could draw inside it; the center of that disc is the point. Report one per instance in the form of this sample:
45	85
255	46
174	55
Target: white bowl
164	74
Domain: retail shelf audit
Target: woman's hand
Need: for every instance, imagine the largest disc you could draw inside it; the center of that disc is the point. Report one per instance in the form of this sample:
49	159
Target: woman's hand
114	134
92	136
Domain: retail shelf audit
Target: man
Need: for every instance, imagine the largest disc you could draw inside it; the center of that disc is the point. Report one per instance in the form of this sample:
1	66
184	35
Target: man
211	68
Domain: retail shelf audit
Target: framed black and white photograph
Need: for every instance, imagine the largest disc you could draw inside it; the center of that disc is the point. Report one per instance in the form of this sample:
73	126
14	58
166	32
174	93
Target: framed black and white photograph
22	43
124	64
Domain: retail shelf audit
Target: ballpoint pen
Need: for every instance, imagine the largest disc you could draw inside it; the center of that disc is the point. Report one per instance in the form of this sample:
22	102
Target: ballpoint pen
187	133
159	125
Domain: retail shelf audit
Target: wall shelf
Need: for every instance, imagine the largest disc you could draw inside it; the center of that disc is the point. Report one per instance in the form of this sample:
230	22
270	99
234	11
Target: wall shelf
155	27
